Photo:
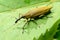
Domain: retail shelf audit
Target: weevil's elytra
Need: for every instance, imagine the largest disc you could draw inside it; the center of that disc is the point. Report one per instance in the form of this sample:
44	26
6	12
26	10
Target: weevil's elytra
34	13
37	12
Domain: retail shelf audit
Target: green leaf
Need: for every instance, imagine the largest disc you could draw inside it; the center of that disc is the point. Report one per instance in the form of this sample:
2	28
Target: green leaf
11	31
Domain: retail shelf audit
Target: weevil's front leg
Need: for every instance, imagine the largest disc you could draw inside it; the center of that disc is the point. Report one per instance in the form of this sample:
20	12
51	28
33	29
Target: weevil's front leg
27	22
24	27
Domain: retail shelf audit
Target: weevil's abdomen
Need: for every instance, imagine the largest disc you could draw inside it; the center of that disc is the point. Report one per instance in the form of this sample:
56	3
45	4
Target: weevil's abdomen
37	12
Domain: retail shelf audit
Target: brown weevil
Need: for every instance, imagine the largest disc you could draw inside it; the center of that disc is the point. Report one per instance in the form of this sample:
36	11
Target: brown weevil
37	12
34	13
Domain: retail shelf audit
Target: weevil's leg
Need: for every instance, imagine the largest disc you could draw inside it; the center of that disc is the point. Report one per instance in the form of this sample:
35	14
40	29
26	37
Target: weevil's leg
41	16
34	21
49	16
45	16
24	26
28	21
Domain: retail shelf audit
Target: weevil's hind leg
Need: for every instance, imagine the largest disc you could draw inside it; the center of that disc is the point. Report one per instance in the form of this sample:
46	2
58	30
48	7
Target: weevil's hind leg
34	22
45	16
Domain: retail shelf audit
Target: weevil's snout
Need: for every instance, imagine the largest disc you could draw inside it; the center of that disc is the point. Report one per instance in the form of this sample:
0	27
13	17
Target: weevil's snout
15	21
19	19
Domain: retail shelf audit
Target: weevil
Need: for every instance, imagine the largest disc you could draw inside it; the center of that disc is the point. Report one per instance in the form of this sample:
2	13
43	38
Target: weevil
37	12
34	13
